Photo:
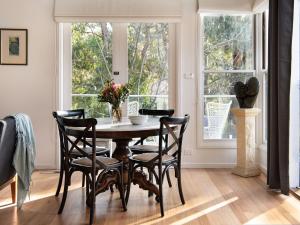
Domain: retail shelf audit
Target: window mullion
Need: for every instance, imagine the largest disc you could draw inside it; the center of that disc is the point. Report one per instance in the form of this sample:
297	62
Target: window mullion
120	57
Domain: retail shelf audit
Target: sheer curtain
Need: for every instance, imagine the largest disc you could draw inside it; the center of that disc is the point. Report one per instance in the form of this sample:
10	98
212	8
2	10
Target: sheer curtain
295	102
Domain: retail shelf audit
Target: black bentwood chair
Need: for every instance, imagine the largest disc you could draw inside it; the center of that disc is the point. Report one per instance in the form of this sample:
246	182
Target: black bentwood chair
75	114
101	172
166	156
139	147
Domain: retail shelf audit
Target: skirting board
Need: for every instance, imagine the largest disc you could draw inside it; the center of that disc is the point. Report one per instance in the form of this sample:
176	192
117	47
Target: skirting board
207	165
184	165
45	167
217	166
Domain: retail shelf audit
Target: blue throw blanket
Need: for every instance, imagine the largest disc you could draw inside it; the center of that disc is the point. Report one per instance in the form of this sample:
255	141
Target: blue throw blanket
24	155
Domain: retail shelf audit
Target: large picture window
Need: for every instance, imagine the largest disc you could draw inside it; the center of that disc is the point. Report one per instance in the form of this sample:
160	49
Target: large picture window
227	56
93	61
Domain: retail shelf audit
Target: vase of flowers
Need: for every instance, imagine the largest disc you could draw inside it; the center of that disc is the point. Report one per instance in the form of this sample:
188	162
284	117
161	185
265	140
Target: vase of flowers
115	94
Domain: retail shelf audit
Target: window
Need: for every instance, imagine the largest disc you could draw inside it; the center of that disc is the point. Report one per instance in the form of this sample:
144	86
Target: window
227	56
94	58
148	64
91	65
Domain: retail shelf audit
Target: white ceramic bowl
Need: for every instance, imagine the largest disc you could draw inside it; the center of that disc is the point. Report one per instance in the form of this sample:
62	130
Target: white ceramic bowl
138	120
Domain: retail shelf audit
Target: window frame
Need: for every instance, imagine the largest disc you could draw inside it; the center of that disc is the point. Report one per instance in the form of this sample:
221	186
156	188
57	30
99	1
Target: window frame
65	62
262	75
203	143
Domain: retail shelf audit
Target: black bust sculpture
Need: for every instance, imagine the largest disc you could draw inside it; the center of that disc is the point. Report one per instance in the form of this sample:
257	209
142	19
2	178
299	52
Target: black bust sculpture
246	94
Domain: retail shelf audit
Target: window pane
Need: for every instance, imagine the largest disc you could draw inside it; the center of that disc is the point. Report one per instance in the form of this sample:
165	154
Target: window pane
91	105
228	42
223	83
227	46
219	122
91	65
148	64
219	98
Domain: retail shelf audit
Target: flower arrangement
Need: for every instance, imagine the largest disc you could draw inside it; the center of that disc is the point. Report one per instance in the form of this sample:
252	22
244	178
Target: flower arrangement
115	94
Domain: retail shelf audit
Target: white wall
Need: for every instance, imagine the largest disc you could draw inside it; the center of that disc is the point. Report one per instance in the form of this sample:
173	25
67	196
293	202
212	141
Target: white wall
194	156
31	89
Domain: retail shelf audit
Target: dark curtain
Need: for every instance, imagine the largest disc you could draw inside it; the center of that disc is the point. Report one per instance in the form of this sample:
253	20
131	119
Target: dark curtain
280	43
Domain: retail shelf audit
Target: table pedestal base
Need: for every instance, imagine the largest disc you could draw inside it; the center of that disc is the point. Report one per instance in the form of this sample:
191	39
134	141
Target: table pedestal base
122	153
140	178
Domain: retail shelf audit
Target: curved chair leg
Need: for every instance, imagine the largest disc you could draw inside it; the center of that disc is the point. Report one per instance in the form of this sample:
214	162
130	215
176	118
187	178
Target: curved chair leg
151	180
168	178
111	187
130	172
87	188
161	199
63	201
83	180
61	176
92	186
92	210
121	190
179	186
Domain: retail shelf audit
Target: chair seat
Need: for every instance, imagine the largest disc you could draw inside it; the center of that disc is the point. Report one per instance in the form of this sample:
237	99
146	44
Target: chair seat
146	157
89	150
138	149
86	162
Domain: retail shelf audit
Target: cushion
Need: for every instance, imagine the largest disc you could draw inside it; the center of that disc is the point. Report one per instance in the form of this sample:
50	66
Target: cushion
89	150
143	148
146	157
86	162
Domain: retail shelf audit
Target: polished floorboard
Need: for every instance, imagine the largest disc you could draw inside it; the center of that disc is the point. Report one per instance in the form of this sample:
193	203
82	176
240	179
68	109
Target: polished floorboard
213	196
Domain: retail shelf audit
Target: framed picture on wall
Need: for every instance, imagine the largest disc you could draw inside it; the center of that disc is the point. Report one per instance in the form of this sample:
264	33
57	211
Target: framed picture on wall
13	46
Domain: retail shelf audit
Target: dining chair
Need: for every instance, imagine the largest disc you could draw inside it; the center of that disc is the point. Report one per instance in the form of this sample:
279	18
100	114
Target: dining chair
79	114
100	171
166	157
139	147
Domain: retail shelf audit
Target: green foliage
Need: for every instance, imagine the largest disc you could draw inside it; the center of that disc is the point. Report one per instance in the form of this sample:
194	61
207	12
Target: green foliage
92	63
148	61
228	42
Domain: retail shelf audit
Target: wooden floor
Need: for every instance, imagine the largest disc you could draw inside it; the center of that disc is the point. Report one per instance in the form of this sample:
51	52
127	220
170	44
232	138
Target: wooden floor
213	196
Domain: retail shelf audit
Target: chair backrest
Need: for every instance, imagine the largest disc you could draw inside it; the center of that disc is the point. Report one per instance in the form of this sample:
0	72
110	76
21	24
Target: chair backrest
76	131
73	113
157	112
7	148
174	127
217	114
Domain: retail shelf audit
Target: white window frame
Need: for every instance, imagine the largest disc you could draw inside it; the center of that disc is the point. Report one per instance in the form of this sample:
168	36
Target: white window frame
262	76
212	143
120	62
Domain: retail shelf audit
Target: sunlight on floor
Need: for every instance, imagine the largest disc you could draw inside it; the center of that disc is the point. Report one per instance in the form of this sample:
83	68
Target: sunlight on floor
276	214
195	216
188	207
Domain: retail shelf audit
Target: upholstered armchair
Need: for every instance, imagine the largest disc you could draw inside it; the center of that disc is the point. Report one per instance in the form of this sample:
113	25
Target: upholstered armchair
7	149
